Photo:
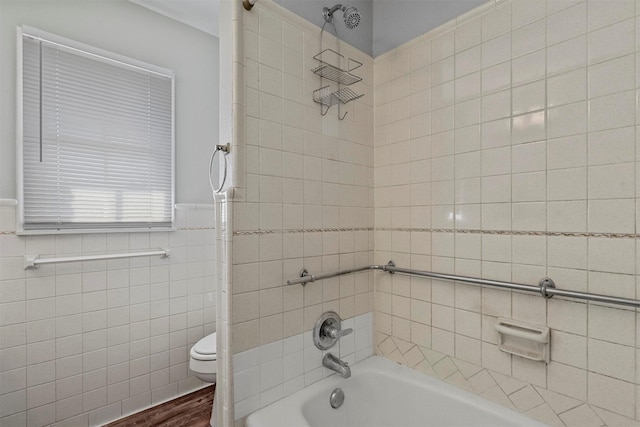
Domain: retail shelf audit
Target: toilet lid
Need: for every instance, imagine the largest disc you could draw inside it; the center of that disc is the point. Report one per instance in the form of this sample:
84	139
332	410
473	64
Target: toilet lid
206	346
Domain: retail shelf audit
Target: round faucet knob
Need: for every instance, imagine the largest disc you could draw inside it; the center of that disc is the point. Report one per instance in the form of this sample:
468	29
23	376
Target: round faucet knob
327	330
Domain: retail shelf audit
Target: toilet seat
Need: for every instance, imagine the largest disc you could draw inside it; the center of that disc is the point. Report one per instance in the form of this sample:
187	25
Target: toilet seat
205	349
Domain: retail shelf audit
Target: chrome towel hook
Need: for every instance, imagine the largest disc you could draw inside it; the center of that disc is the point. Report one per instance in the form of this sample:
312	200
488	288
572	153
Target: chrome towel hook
225	149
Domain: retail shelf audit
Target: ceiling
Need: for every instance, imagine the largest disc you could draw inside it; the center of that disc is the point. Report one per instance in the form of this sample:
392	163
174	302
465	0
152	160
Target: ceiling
200	14
398	21
385	23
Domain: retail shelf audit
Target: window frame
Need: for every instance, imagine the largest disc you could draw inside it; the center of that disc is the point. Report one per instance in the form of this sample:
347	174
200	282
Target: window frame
99	55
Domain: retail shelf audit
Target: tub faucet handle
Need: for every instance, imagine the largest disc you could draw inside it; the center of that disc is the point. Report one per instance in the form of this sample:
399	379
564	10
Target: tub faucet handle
334	332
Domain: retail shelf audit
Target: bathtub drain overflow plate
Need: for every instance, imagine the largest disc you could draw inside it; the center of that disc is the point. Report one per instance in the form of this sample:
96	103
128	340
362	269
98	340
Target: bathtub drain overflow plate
337	398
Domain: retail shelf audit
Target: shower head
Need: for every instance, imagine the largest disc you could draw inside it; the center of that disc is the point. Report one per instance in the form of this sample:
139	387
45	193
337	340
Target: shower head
351	15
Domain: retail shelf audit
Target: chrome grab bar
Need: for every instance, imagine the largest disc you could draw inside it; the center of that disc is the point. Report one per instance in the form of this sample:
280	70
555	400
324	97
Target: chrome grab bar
305	277
546	287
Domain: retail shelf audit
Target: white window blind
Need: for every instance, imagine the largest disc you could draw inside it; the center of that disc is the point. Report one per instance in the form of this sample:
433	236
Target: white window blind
97	140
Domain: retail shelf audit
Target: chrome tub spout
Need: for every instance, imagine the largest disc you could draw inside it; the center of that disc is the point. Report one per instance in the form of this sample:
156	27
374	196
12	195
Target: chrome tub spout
332	362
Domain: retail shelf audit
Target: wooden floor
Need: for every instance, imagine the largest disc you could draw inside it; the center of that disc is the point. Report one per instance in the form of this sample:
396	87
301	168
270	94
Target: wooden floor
192	410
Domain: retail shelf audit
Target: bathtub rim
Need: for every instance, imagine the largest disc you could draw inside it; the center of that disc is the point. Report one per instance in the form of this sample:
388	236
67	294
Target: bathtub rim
292	406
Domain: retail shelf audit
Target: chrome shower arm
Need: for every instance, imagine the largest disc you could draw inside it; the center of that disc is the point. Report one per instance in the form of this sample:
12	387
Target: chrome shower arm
328	13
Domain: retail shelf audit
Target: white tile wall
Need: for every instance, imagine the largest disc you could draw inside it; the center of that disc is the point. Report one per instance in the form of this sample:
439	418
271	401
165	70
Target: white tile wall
309	196
533	115
308	201
272	371
85	343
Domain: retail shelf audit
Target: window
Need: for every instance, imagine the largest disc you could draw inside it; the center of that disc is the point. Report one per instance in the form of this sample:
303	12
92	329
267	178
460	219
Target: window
96	145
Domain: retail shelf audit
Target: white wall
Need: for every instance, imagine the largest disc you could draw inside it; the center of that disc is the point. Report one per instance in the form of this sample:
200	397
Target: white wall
134	31
84	343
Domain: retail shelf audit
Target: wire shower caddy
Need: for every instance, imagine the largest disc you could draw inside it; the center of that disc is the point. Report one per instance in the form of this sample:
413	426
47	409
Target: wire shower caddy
330	68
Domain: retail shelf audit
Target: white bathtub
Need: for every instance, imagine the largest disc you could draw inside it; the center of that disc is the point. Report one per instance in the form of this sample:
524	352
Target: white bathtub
383	393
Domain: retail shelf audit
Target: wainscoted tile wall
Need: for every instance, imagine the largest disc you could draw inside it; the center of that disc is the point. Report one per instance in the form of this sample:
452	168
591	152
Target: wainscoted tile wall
85	343
506	148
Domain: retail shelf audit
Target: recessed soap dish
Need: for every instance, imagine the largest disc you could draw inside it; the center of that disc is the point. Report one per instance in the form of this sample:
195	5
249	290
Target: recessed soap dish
523	339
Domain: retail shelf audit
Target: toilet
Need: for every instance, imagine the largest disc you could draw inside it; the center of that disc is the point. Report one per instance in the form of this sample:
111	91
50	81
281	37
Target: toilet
203	360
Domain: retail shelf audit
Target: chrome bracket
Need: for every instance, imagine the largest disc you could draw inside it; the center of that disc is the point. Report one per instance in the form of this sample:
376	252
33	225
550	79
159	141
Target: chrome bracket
305	273
225	148
391	263
327	15
544	284
30	261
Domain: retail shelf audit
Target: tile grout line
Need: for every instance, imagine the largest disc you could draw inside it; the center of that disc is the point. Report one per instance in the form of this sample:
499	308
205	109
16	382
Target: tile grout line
440	230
